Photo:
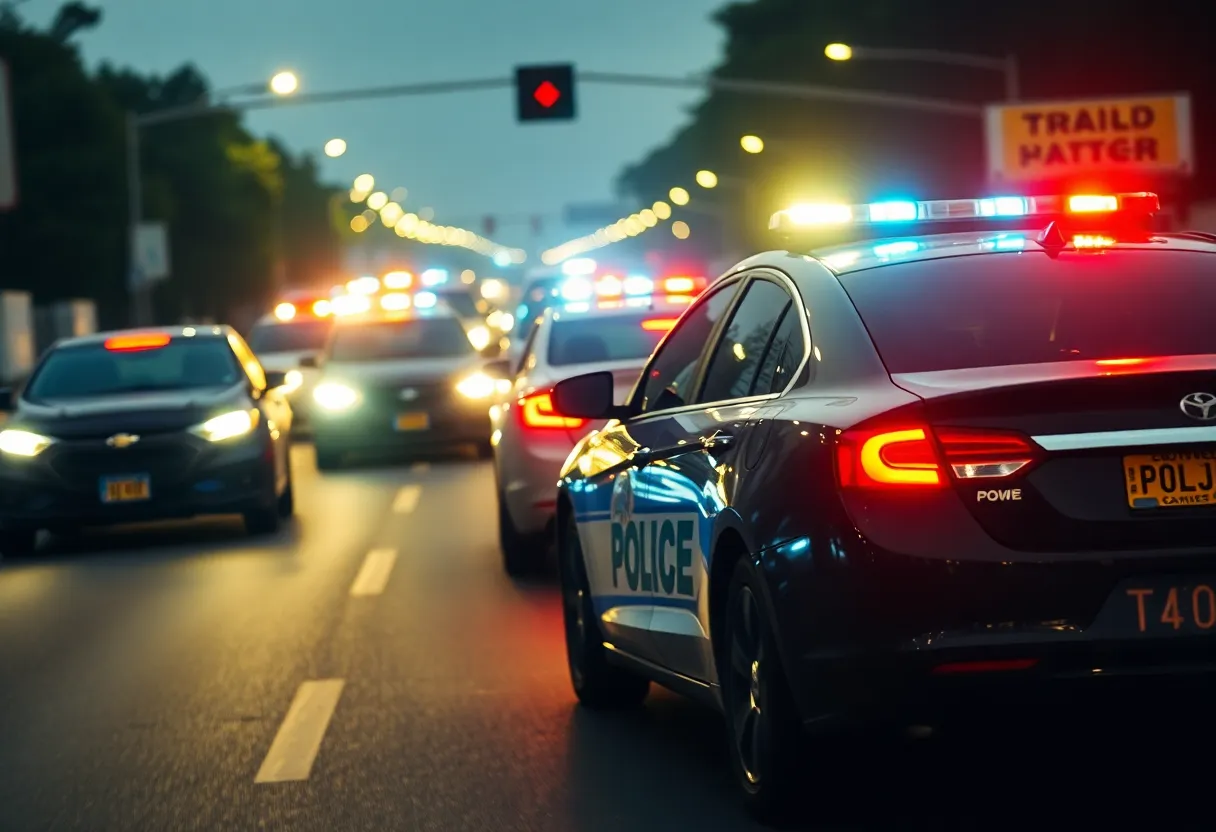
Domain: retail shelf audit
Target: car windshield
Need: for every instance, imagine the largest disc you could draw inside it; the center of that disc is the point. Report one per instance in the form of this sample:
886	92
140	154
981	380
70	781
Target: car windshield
615	338
461	303
294	337
414	338
86	371
998	310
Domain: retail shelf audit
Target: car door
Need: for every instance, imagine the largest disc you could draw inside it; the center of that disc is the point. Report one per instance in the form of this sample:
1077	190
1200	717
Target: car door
696	451
615	520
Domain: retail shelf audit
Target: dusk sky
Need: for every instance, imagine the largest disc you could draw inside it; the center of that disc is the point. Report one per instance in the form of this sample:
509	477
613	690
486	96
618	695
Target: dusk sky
462	154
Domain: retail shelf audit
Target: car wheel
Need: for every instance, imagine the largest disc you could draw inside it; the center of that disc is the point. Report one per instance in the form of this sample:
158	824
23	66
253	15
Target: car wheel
597	683
286	504
18	542
328	459
761	720
522	554
262	521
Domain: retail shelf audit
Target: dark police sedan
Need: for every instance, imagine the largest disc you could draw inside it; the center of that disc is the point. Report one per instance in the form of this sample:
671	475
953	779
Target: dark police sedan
896	476
131	426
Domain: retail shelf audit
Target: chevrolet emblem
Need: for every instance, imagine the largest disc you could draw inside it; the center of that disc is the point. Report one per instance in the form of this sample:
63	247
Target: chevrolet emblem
122	440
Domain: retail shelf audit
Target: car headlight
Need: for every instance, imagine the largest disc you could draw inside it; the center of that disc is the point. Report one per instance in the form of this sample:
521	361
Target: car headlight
476	386
292	382
23	442
479	337
332	396
228	425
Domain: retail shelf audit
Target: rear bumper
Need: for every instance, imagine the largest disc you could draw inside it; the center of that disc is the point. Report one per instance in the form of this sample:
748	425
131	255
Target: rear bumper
880	634
376	430
216	481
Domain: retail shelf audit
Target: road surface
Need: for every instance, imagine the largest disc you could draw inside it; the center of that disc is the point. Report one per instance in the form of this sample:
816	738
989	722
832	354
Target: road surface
371	667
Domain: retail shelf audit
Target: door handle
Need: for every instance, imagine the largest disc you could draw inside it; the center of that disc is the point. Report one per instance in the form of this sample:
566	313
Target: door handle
716	439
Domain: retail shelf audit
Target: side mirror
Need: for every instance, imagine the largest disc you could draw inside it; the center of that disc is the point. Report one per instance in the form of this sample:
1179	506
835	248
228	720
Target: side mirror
6	399
499	368
310	361
275	379
589	396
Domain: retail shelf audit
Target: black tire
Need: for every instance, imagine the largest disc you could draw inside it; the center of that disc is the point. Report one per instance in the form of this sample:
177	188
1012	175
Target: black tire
286	504
762	726
17	543
522	554
597	684
328	459
262	521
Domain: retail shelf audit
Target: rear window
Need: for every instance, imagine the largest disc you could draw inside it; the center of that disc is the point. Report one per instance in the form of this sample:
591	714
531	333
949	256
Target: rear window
297	337
414	338
183	364
595	340
997	310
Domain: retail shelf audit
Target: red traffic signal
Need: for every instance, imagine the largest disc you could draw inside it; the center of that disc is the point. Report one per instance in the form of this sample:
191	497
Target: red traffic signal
545	92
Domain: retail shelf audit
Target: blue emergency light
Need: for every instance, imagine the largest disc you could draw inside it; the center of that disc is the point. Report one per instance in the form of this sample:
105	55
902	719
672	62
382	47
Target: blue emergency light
434	277
810	216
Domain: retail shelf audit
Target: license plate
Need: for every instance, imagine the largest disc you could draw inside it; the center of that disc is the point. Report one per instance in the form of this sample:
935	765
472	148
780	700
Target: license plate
126	489
413	421
1170	480
1155	607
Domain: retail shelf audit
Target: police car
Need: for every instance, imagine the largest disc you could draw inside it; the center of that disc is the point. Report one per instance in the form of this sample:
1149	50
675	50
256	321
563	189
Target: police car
970	451
609	324
295	331
400	380
124	427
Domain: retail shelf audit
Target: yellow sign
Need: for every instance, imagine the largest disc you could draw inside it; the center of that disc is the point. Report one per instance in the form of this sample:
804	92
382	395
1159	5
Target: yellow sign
1058	139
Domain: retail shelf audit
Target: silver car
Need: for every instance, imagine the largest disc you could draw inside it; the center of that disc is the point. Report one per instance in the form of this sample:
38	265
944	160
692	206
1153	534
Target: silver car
531	440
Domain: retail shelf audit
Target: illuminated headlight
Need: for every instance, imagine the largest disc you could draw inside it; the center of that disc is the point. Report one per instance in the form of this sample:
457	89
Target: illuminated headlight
477	386
335	397
292	382
23	442
479	337
228	425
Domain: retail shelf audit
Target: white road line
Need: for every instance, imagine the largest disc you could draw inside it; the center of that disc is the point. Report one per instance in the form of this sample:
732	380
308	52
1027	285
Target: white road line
407	499
373	575
295	747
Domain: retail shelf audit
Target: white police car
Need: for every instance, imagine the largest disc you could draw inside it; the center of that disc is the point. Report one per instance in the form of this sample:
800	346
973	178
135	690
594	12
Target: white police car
964	454
609	324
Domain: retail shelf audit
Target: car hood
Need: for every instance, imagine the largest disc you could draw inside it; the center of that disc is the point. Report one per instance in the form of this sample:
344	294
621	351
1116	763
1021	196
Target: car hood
285	361
413	370
159	412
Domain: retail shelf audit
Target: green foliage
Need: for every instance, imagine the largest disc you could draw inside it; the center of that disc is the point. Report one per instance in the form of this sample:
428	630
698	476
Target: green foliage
233	202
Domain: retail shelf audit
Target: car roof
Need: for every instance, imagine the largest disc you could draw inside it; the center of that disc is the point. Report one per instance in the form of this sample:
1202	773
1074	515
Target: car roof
869	254
436	313
191	331
613	309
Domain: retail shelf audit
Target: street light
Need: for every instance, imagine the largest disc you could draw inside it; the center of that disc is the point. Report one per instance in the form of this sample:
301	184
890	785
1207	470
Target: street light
335	148
283	83
707	179
752	144
1008	66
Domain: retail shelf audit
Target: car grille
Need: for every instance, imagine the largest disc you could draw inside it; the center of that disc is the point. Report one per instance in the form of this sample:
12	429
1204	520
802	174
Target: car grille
427	396
167	460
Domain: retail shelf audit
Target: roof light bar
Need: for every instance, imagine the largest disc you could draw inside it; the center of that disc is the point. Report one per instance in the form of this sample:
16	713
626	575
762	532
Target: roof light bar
138	342
818	215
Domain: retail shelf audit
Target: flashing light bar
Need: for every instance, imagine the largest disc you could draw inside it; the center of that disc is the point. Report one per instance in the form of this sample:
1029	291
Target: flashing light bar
810	215
395	302
363	286
434	277
425	300
658	324
398	280
285	311
138	342
637	284
322	308
351	305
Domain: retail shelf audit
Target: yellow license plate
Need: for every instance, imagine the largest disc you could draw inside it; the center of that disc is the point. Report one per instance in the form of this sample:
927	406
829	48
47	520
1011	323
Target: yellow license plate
413	421
1170	479
125	489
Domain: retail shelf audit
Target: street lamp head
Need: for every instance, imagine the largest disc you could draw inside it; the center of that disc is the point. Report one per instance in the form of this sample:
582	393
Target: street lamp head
707	179
838	51
752	144
284	83
335	148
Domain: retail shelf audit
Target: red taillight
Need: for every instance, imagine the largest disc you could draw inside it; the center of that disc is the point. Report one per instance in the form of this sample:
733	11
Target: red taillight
135	343
537	411
917	456
658	324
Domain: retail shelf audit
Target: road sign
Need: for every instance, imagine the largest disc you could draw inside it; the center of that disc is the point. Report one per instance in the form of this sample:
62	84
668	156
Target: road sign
1045	140
8	149
151	241
545	92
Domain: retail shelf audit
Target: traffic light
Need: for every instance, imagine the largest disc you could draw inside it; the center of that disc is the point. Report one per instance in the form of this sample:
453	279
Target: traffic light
545	92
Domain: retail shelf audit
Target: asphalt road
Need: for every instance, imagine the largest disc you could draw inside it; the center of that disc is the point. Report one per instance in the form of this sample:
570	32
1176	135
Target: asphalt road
183	676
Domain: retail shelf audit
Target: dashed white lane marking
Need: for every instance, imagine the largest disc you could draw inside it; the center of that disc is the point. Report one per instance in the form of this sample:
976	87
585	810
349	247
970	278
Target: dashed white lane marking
407	499
295	747
373	575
